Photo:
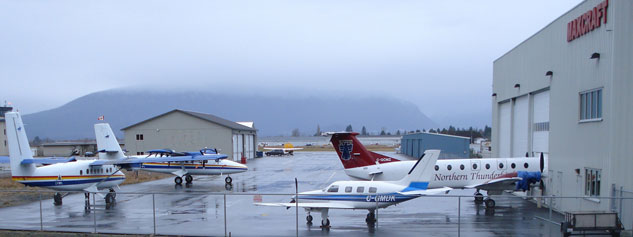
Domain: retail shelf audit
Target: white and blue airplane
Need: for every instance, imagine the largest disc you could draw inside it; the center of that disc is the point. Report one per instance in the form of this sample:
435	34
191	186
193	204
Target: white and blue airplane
89	176
207	162
369	195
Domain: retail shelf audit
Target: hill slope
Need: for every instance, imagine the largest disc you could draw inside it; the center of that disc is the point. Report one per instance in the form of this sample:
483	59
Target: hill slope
273	115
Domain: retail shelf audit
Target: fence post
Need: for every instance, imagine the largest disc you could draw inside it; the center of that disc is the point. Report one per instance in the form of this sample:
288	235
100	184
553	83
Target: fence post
459	215
297	207
94	212
154	211
550	208
41	218
225	215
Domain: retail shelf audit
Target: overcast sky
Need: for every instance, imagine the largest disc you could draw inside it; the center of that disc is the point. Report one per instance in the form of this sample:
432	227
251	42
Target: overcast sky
435	54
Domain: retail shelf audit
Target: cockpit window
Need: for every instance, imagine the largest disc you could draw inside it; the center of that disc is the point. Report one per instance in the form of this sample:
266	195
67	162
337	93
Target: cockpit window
333	189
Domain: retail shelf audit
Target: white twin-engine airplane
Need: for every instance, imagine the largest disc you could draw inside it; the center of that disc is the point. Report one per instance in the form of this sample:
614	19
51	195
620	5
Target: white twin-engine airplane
369	195
208	162
80	175
492	174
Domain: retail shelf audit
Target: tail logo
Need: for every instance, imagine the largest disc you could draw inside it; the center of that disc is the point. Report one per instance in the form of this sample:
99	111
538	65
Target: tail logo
345	147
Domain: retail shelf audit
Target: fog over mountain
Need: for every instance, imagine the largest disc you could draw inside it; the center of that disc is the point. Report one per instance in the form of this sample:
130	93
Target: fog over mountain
274	112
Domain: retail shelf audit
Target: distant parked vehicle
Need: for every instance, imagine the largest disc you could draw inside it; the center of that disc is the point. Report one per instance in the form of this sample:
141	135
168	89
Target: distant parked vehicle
89	154
275	152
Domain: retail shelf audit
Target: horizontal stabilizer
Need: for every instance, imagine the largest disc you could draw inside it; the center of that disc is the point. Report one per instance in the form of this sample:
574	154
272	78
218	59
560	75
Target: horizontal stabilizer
108	151
47	161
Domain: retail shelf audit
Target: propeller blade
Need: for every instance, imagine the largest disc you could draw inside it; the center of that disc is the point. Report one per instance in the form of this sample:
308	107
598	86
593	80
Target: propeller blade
542	162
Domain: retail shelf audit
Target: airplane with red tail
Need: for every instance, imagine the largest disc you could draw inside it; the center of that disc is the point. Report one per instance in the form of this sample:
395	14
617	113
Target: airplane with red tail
493	175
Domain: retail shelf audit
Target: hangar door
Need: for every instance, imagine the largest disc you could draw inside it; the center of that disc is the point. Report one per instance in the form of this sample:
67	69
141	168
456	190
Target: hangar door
520	126
237	147
249	146
540	128
505	126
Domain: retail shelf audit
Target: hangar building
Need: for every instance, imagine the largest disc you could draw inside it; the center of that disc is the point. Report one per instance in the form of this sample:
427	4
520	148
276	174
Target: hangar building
452	147
191	131
567	91
4	147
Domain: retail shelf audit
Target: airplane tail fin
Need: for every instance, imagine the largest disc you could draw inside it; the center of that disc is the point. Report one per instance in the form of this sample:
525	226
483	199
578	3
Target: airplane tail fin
353	154
107	144
19	148
420	174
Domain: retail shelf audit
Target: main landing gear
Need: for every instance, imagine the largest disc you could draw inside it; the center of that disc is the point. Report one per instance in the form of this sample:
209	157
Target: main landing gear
110	199
325	222
57	199
489	202
371	217
188	179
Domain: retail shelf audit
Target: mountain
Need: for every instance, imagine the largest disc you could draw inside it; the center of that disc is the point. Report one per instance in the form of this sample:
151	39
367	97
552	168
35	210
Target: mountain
273	114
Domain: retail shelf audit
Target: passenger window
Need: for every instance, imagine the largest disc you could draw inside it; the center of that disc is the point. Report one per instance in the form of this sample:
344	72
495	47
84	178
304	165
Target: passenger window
87	171
487	166
373	189
437	168
526	165
474	166
333	189
81	172
449	167
500	165
360	189
513	166
348	189
461	167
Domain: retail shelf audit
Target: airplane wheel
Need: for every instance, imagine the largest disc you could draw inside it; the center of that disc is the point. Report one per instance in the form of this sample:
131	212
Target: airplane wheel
309	219
325	223
479	198
228	179
189	179
57	199
371	218
178	180
490	203
109	198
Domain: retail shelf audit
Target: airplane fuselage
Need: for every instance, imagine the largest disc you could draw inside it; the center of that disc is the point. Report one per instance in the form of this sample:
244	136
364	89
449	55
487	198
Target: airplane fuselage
211	167
71	176
358	194
462	172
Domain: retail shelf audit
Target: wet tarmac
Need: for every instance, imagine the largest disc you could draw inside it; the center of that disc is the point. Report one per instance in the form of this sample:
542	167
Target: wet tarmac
191	210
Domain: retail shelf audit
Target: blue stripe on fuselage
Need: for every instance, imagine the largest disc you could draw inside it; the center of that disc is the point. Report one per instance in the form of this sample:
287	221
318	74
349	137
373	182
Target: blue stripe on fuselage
189	168
387	197
48	183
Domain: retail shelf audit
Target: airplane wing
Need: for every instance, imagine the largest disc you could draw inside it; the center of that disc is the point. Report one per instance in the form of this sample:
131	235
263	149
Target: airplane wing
497	184
330	205
137	160
434	191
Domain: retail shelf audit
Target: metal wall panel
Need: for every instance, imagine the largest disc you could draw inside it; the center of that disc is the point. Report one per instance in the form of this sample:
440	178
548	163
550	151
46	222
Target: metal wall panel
520	127
540	120
505	129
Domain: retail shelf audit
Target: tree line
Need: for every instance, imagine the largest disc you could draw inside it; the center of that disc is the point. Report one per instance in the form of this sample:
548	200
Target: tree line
471	132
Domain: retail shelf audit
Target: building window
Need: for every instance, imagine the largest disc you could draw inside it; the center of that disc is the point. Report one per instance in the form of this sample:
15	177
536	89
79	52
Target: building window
591	105
139	137
5	143
592	182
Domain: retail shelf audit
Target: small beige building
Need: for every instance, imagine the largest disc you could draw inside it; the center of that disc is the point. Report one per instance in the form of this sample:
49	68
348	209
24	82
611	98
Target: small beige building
191	131
4	146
